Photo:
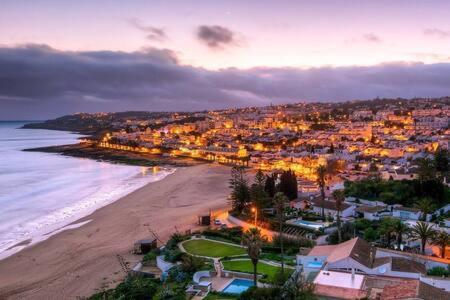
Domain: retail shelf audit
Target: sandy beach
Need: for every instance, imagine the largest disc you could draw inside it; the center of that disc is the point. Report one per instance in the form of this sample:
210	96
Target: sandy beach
76	263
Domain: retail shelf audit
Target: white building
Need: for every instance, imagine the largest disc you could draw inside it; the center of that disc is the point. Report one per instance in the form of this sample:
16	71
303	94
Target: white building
358	256
407	213
348	210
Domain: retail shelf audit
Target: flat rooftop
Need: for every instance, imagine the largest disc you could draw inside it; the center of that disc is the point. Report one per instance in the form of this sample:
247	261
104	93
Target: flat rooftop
339	279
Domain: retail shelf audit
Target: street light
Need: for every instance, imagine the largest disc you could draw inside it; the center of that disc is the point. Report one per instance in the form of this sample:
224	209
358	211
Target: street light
255	211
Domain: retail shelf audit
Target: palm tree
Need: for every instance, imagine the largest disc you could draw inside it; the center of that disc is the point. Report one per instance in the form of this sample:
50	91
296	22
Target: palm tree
426	206
400	229
423	232
339	197
253	240
441	239
280	199
386	229
321	173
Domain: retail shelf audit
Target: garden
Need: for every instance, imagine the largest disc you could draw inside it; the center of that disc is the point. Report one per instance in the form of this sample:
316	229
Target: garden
202	247
245	265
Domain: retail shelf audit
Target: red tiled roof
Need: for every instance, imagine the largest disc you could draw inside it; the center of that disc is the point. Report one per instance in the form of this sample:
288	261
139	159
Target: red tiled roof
331	205
427	291
338	292
356	248
407	289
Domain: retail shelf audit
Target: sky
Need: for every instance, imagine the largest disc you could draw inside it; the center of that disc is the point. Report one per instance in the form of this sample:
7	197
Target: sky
61	57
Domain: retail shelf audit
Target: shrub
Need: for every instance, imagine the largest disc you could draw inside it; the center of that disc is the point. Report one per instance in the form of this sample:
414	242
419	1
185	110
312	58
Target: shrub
174	240
192	264
363	224
149	257
347	231
132	288
233	234
292	242
220	295
439	271
255	293
173	255
279	279
178	275
370	234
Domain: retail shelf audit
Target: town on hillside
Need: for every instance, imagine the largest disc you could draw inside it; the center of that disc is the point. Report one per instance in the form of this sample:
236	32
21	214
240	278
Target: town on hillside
340	200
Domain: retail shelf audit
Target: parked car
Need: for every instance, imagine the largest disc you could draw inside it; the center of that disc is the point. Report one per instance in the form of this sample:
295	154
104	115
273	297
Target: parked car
217	222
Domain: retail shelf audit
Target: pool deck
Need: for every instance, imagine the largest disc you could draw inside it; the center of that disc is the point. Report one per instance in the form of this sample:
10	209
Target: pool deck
219	283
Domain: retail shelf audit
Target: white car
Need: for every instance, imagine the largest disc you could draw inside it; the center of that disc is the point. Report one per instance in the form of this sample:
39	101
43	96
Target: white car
217	222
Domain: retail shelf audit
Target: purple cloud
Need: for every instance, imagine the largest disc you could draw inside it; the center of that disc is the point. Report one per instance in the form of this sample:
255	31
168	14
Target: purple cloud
216	37
152	33
38	82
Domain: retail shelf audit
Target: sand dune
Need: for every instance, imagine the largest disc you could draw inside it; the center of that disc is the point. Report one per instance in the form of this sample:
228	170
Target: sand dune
77	262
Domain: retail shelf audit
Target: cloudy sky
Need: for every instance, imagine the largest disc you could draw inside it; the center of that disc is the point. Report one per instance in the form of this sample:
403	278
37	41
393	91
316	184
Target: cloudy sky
59	57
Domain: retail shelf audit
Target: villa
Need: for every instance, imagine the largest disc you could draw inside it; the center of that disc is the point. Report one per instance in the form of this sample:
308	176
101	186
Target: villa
370	212
407	213
348	210
358	256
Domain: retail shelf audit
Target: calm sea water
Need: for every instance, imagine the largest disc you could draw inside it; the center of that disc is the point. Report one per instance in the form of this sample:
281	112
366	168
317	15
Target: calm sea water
43	192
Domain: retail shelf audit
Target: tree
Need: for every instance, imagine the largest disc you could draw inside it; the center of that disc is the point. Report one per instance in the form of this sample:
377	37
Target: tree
441	163
339	197
321	173
426	206
370	234
296	287
400	229
257	192
386	229
423	232
269	186
426	170
347	233
442	240
191	263
280	200
253	240
288	184
240	193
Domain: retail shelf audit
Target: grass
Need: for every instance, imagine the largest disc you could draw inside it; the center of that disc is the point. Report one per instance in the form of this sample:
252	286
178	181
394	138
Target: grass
246	266
211	248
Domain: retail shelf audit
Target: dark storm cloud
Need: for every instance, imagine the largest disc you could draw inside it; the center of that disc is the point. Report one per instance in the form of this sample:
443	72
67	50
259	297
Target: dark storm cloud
37	81
152	33
216	37
436	32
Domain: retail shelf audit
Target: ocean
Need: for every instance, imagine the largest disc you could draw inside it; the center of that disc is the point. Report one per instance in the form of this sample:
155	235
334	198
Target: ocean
41	193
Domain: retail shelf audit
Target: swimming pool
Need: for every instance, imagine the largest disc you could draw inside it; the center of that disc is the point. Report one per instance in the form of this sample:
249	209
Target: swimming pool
314	264
238	286
307	224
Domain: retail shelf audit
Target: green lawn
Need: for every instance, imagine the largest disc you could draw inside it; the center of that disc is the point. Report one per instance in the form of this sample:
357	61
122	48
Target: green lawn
211	248
246	266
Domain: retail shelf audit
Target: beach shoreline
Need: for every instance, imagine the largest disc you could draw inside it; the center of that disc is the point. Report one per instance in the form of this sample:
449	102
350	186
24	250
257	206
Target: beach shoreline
79	261
70	215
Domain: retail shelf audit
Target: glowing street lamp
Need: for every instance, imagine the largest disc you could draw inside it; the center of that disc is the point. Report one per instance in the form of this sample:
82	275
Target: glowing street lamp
255	211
